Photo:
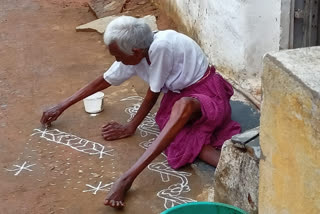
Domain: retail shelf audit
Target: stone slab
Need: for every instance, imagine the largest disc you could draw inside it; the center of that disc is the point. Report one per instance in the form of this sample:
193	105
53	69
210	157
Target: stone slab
302	64
254	147
236	179
243	138
100	25
290	132
103	8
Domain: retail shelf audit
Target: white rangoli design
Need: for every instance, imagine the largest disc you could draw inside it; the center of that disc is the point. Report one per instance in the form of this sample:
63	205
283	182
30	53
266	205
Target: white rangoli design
74	142
100	187
19	168
173	194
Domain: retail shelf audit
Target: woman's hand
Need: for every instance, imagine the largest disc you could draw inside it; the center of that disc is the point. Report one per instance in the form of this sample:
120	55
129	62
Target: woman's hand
114	131
51	115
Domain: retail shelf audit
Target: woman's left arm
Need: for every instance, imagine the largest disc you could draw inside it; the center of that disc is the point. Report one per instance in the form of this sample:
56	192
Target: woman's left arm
114	130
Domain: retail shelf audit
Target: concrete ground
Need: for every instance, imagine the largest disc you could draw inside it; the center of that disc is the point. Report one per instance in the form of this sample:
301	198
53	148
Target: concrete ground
69	168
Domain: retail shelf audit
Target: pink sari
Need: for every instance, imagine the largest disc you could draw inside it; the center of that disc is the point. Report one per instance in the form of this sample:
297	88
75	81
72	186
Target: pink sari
215	125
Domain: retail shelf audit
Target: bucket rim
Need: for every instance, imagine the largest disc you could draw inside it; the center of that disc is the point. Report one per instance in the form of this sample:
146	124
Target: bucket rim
95	96
202	203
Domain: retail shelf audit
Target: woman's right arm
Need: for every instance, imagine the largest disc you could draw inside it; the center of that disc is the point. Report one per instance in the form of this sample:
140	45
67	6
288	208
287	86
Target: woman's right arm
54	112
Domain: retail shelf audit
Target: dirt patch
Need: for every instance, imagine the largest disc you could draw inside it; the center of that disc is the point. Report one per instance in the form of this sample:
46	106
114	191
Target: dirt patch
140	8
103	8
43	60
65	3
136	8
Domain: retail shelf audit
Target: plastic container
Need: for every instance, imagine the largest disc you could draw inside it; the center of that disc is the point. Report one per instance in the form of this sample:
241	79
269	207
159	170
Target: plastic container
204	208
94	103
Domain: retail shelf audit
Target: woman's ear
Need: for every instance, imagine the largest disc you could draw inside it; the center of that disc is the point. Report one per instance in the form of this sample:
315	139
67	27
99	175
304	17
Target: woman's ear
138	52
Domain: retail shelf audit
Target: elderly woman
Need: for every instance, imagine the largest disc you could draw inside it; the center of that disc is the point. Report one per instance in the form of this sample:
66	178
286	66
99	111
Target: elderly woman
194	115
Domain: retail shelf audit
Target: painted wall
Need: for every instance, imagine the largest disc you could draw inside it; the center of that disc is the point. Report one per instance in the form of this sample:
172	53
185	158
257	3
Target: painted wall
290	133
235	34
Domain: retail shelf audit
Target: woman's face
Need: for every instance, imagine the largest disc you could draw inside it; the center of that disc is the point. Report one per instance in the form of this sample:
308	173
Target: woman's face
125	58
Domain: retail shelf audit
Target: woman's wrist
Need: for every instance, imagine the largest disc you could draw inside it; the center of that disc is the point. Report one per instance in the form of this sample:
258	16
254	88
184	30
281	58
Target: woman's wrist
64	105
131	127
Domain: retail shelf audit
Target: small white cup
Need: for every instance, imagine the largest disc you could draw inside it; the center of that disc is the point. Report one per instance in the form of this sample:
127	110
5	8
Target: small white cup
94	103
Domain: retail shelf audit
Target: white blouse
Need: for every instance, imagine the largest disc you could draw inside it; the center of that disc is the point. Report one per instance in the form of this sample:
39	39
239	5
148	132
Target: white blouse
176	63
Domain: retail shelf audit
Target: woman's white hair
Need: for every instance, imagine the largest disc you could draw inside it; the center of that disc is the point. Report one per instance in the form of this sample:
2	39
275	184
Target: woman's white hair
128	33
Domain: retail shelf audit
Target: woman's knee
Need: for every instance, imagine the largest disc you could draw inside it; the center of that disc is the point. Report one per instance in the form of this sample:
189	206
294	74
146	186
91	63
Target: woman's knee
186	107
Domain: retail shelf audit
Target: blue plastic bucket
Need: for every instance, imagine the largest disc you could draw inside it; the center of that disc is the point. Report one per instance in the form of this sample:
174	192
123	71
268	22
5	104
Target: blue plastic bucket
204	208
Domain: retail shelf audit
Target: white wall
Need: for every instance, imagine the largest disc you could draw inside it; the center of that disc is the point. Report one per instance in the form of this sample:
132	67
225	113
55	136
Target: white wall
235	34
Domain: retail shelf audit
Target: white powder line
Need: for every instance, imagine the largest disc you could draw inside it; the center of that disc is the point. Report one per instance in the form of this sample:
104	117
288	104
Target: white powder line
100	187
73	141
19	168
173	194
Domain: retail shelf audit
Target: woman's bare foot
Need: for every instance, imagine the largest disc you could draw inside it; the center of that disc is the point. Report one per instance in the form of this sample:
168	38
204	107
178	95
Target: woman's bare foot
115	197
210	155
